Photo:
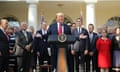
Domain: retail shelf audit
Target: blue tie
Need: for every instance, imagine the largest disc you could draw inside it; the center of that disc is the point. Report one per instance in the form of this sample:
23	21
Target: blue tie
90	36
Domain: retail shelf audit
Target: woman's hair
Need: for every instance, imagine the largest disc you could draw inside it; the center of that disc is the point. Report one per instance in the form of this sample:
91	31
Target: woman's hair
117	28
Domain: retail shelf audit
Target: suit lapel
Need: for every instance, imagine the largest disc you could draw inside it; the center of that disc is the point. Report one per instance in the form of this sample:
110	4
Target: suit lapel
93	38
41	32
5	37
28	36
82	30
56	28
24	35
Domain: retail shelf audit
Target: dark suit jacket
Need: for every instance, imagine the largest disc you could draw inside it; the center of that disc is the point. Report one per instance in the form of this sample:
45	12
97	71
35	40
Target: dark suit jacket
41	44
115	44
4	44
80	44
53	29
21	40
92	46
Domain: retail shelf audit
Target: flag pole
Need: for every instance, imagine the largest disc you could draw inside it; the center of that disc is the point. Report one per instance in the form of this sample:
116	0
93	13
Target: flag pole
81	15
41	19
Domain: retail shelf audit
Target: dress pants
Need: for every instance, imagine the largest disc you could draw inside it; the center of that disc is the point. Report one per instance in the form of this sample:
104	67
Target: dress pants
70	60
54	57
94	60
44	57
3	63
80	60
26	63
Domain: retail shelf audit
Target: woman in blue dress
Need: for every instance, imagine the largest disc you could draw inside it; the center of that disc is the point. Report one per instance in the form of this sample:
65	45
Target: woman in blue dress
116	49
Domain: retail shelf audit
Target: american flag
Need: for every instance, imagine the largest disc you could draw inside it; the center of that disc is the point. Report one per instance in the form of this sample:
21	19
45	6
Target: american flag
41	20
81	15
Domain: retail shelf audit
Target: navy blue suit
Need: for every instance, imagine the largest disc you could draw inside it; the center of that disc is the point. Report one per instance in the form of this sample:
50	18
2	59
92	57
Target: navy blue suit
70	59
92	48
79	47
4	49
53	30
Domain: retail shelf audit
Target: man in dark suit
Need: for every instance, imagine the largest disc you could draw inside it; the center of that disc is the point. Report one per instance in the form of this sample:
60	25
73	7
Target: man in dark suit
81	45
92	56
24	40
56	29
4	45
41	44
70	52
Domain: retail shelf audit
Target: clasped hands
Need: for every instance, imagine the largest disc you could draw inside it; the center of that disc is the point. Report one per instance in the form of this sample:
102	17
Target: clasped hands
27	47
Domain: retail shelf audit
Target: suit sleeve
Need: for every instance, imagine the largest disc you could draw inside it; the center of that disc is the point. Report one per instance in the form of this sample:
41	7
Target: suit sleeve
96	38
49	30
18	41
31	40
69	30
87	40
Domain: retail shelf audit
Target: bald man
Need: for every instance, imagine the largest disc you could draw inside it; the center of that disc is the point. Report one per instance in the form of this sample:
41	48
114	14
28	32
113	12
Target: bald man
57	28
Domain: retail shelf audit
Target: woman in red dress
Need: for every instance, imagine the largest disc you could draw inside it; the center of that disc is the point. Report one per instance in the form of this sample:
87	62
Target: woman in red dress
104	52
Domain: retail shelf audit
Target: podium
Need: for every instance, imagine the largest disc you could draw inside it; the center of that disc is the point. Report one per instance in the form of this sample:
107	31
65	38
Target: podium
61	42
53	39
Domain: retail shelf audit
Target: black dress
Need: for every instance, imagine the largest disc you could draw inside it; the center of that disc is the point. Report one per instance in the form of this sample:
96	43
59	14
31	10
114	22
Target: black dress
116	51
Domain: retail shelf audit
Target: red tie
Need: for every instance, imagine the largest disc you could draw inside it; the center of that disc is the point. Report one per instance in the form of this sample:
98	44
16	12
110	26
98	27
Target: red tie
60	29
6	35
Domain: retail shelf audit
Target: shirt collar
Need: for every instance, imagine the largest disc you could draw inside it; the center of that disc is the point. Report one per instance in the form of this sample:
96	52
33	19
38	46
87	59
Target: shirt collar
91	33
2	29
58	23
44	30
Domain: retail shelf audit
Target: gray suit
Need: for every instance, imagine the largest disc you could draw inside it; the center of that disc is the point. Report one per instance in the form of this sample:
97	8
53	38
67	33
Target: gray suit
80	44
79	47
22	41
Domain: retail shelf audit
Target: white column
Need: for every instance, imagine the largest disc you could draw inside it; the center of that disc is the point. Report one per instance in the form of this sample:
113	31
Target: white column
90	13
32	13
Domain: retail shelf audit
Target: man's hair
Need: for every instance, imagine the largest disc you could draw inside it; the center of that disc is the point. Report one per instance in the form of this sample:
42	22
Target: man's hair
23	23
91	25
78	19
73	23
59	13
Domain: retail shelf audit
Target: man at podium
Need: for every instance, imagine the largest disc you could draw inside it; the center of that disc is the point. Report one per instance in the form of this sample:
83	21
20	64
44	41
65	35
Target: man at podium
57	28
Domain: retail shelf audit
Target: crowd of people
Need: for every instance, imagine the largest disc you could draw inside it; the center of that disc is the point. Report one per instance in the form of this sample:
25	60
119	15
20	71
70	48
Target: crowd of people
22	48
